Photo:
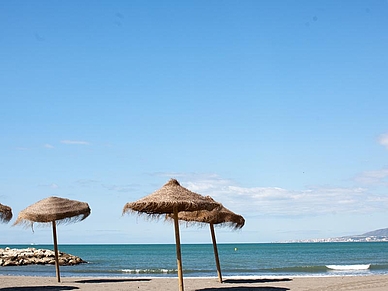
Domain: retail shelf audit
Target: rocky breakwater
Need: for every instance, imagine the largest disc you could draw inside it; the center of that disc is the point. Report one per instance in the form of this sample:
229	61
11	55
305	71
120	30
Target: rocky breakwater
32	256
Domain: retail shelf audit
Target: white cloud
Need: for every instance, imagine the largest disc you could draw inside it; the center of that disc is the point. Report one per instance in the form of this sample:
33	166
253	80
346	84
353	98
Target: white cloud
275	201
383	139
75	142
48	146
281	202
378	177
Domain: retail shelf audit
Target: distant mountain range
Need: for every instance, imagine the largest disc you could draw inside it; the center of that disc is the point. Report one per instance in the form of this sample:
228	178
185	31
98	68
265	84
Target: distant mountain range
379	235
379	232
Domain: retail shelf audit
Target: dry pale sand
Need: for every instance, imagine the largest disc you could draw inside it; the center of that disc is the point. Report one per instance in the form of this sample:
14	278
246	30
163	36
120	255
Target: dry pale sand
372	283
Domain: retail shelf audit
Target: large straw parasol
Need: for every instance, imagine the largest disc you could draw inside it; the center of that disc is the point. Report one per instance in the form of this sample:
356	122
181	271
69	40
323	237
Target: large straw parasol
5	213
54	210
171	199
218	215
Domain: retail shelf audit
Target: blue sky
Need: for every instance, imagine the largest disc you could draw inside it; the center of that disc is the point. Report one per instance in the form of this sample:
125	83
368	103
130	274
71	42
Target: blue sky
276	109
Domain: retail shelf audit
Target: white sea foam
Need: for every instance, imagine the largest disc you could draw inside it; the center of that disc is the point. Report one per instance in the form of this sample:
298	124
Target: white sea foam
146	271
348	267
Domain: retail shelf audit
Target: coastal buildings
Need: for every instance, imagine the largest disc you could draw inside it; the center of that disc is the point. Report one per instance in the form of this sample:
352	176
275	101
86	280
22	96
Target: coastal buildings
380	235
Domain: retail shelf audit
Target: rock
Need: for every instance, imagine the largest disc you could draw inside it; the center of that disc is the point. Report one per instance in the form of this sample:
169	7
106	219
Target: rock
19	257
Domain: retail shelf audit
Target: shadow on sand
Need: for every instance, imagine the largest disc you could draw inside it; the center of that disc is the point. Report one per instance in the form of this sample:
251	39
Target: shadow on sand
241	288
38	288
245	281
249	288
116	280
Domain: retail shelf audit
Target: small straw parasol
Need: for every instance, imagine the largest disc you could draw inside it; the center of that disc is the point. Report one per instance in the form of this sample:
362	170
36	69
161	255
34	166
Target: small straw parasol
54	210
218	215
171	199
5	213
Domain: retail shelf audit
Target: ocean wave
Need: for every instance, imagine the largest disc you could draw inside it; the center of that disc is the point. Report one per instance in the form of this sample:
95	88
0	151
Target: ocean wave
149	271
250	260
289	270
297	269
379	267
349	267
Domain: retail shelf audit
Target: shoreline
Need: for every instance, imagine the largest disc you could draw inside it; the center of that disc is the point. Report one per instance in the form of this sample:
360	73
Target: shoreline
236	277
226	277
336	283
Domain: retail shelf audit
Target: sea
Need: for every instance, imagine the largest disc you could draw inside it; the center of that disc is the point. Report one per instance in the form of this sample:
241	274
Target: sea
236	260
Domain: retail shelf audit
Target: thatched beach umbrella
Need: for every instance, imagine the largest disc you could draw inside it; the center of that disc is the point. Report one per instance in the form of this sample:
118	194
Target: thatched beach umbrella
5	213
171	199
54	210
218	215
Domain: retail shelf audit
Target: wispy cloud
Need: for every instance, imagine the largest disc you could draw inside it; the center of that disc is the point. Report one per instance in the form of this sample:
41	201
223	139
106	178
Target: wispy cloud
90	183
120	188
87	183
52	186
22	148
377	177
75	142
48	146
277	201
286	202
383	139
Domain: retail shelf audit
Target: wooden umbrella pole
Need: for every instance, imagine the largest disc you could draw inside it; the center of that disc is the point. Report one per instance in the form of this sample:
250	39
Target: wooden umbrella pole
216	252
56	251
178	249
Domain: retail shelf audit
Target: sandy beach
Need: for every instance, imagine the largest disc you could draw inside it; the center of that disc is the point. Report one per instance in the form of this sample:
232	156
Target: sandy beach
375	283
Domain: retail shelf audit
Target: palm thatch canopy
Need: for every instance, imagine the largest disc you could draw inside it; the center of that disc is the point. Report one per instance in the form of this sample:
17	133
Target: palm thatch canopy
5	213
218	215
52	209
171	195
172	198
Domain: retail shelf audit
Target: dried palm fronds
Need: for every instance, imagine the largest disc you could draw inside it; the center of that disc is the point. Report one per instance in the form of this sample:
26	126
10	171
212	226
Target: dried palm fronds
5	213
57	209
171	196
